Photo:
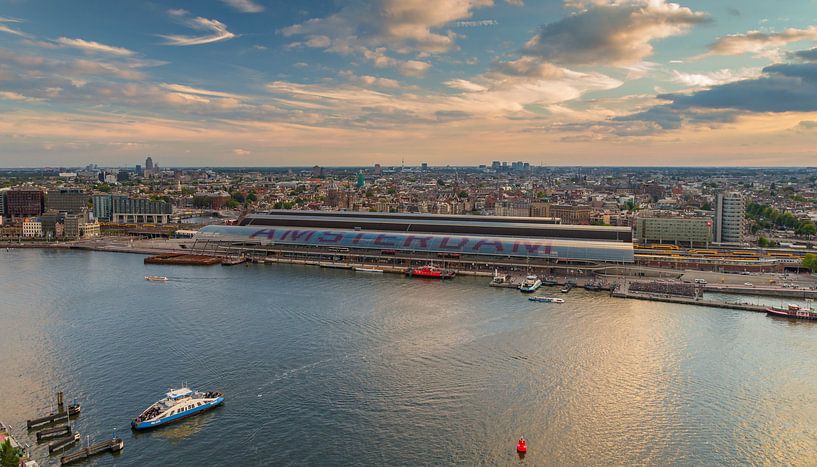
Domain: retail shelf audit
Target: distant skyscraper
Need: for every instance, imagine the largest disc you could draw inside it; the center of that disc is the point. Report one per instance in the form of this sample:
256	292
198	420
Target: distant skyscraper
149	163
377	170
729	217
360	180
424	166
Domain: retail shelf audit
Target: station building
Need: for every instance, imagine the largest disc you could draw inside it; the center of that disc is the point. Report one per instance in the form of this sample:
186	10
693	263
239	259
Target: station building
485	239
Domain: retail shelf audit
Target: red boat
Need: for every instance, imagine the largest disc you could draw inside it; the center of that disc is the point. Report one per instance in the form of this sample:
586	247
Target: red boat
431	272
521	446
793	311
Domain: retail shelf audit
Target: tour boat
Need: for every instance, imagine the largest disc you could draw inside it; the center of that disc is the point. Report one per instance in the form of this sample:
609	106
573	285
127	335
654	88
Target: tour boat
431	272
546	299
177	404
156	278
368	270
793	311
531	284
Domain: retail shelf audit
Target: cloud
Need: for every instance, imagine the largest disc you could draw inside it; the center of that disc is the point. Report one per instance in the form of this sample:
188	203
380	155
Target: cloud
368	80
759	43
378	29
217	31
465	85
474	24
712	78
13	96
611	32
8	29
781	88
241	152
91	46
807	55
245	6
198	91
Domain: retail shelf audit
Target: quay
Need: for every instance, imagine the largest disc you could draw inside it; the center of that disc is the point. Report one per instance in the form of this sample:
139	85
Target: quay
183	259
56	432
112	445
689	301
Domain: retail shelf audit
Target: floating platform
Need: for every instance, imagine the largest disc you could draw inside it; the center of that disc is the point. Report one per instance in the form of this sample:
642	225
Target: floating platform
56	432
62	443
233	261
59	417
111	445
183	259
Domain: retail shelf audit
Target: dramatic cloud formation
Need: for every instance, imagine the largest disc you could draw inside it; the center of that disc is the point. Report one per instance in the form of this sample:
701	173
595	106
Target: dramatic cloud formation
245	6
760	43
614	32
91	46
217	31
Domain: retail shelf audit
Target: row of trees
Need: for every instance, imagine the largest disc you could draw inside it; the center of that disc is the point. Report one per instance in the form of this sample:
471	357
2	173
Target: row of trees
767	217
810	262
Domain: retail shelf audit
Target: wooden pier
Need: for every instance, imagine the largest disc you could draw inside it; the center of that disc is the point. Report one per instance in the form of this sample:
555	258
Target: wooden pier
111	445
63	443
59	416
56	432
183	259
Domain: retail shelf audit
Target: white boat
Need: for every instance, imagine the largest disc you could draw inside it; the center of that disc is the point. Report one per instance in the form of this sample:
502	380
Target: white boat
368	270
177	404
531	284
546	299
156	278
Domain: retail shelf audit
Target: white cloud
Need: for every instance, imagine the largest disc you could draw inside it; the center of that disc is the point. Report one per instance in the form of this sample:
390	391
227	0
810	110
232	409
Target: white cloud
241	152
465	85
414	68
91	46
198	91
713	78
8	29
245	6
217	32
760	43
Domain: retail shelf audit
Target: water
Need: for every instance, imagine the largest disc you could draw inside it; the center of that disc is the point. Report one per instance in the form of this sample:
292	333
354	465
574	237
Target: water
328	367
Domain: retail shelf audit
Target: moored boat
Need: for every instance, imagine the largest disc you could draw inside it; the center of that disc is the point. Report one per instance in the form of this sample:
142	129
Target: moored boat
530	284
177	404
431	272
368	270
156	278
793	311
546	299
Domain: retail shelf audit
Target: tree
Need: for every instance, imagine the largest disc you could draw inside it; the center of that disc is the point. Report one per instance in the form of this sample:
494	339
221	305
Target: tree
763	242
810	262
9	457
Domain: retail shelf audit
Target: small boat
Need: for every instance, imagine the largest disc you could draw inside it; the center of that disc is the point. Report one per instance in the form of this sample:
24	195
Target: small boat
592	286
546	299
549	281
793	311
530	284
521	446
431	272
177	404
156	278
368	270
566	288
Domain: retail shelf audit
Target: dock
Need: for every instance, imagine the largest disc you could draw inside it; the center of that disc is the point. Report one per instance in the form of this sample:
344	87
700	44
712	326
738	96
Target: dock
690	301
63	443
56	432
183	259
59	416
111	445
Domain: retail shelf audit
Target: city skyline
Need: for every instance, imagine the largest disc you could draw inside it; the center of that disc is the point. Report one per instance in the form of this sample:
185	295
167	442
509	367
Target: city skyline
260	83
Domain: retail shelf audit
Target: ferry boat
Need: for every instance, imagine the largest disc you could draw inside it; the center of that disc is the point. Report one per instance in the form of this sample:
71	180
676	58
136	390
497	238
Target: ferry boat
530	284
177	404
368	270
156	278
431	272
793	311
546	299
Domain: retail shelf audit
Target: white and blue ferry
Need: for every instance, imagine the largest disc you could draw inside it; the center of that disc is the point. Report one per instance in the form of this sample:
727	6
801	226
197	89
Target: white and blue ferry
177	404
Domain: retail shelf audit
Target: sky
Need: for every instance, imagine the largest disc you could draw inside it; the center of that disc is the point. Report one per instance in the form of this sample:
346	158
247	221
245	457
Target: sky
358	82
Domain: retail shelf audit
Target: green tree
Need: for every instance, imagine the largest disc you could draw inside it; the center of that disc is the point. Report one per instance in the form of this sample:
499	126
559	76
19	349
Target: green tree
810	262
231	204
9	457
763	242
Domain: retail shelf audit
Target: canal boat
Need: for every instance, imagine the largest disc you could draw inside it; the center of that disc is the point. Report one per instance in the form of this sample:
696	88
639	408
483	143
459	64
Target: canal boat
530	284
177	404
546	299
156	278
567	288
431	272
793	311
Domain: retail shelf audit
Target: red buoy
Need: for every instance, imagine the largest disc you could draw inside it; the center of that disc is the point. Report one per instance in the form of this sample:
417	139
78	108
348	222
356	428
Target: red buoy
521	446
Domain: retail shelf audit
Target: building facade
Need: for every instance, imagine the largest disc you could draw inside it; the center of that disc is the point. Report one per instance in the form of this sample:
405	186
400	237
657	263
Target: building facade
124	210
675	230
572	214
32	227
69	200
730	220
25	202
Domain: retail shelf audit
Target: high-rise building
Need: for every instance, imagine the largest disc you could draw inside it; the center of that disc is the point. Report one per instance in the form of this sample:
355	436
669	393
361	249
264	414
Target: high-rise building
70	200
424	166
25	202
361	181
691	231
378	171
729	217
149	163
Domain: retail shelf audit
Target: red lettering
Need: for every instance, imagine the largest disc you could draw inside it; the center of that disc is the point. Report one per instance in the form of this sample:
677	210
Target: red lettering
380	240
496	243
329	237
459	246
270	233
423	241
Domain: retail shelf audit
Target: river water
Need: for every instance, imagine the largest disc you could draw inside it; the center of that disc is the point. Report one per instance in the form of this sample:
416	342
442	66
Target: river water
327	367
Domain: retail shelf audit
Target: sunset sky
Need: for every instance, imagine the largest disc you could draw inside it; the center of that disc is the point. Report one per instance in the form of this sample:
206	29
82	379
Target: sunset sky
461	82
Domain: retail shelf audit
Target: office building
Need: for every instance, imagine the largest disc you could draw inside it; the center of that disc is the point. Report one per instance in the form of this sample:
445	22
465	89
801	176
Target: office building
676	230
25	202
70	200
124	210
